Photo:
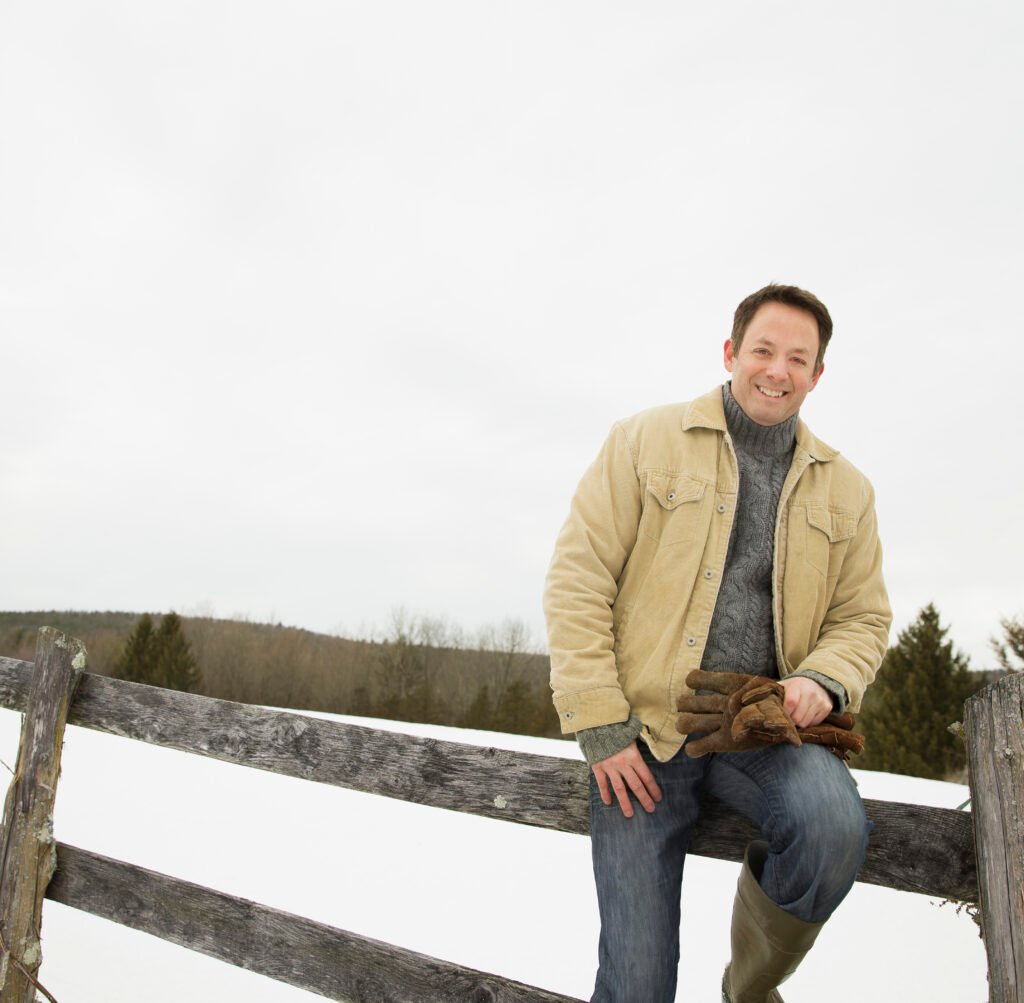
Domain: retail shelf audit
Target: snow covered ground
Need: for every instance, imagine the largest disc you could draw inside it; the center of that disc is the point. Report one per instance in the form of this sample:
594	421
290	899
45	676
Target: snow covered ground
495	896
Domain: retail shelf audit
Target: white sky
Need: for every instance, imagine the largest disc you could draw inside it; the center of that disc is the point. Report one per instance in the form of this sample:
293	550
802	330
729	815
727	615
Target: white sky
309	311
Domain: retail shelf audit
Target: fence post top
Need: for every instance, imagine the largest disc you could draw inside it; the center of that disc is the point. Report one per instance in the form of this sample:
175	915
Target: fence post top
51	638
1005	684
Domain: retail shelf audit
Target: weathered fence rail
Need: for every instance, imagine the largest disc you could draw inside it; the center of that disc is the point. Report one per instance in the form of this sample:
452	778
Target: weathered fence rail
291	949
913	848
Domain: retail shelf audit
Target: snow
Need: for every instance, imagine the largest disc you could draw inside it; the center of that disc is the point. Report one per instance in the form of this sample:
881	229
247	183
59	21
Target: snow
498	897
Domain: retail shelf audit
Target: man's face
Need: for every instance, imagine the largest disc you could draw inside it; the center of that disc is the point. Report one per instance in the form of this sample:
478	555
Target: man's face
773	371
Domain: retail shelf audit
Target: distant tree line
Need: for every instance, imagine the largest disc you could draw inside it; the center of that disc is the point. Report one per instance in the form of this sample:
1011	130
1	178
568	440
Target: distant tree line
429	670
416	668
413	671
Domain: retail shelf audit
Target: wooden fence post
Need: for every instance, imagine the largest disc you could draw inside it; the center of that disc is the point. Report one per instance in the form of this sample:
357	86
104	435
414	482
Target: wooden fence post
994	726
28	854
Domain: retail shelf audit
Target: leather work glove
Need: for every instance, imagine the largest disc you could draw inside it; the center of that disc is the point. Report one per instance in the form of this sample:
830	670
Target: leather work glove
836	734
742	712
747	712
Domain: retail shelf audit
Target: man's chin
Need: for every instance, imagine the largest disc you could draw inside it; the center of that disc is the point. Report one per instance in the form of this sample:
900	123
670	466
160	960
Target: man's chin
766	410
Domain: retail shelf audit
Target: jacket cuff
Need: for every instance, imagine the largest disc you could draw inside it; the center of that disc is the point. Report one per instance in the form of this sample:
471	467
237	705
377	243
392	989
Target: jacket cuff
590	708
836	690
607	739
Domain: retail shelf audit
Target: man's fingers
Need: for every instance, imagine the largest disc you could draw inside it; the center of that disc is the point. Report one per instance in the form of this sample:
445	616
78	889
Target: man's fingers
809	711
623	795
630	780
799	714
644	786
652	786
806	701
791	702
625	773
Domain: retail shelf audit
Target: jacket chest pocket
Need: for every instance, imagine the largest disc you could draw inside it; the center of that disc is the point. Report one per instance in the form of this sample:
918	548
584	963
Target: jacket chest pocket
828	535
672	508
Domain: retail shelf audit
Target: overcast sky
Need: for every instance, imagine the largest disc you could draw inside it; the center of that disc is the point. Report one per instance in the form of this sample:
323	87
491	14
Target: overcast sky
310	311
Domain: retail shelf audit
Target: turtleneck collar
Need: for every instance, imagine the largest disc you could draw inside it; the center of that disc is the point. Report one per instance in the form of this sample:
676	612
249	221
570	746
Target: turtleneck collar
748	436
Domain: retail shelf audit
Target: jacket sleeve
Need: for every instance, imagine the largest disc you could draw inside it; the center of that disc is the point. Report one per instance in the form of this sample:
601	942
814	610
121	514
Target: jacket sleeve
855	631
582	584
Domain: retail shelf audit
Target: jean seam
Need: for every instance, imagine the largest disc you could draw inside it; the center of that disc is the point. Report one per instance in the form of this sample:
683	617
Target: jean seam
769	827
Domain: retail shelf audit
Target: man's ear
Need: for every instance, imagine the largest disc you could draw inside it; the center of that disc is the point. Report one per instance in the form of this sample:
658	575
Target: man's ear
817	376
728	353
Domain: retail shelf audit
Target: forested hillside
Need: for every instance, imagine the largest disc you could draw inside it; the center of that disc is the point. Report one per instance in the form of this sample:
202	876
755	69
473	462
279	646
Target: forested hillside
416	672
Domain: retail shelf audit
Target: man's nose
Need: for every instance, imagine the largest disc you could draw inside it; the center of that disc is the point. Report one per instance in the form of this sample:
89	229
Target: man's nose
777	369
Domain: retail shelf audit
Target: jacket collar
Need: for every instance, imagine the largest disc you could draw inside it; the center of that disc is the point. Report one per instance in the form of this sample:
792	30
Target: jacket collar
709	412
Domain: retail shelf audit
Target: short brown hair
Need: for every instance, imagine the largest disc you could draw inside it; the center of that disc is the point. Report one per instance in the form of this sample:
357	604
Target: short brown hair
791	296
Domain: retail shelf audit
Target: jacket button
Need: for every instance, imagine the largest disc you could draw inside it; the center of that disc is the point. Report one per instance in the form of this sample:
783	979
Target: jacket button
708	573
671	496
691	641
720	507
568	715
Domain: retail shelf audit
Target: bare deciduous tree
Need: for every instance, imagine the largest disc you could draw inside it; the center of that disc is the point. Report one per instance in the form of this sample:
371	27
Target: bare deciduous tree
1010	648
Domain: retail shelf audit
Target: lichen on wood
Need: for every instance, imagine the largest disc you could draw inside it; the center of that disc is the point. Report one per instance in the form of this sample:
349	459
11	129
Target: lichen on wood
28	852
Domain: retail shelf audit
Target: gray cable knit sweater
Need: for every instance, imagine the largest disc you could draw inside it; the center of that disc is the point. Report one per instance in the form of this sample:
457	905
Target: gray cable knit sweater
741	637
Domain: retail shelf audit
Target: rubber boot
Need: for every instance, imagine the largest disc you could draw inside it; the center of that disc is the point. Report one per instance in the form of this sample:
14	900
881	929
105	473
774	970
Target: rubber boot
767	942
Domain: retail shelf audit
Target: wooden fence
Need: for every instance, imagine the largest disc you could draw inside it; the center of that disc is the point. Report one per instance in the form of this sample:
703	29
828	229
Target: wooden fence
912	848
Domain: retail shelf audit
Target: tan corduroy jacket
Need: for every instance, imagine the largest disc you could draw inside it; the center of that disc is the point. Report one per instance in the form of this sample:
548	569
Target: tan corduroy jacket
637	565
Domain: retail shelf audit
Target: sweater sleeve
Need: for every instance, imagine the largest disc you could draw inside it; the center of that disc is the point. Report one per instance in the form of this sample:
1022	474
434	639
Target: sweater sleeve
607	739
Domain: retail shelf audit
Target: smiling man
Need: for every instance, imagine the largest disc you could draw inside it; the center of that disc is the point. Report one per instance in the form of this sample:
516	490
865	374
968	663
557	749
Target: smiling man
775	362
720	536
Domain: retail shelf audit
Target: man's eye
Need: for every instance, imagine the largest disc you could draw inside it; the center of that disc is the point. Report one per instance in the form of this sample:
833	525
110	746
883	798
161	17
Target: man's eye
800	362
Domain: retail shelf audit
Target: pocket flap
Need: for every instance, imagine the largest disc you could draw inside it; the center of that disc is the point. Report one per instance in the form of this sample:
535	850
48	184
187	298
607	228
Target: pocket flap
834	523
671	490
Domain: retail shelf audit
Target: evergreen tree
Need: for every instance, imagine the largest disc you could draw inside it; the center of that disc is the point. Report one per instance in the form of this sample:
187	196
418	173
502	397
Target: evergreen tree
919	692
160	657
138	659
1010	650
175	666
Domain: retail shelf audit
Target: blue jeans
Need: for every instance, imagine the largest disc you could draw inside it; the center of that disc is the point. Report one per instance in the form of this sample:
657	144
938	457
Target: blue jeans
809	812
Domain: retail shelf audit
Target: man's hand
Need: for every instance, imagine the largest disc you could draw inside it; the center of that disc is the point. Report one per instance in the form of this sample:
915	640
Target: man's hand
624	772
807	702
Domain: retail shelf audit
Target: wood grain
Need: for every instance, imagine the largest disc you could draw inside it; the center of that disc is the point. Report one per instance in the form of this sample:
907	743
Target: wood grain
299	952
994	726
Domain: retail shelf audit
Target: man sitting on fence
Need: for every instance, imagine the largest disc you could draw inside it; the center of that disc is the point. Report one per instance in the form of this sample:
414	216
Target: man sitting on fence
719	536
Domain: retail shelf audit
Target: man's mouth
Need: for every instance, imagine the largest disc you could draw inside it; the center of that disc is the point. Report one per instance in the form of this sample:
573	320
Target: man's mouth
774	394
